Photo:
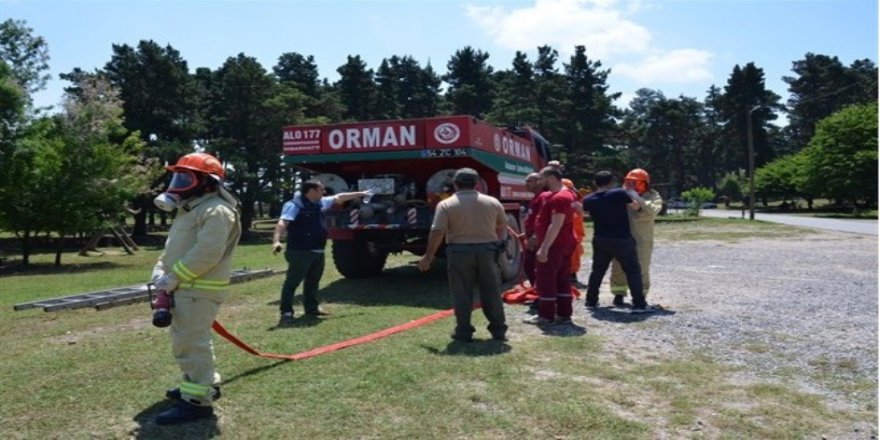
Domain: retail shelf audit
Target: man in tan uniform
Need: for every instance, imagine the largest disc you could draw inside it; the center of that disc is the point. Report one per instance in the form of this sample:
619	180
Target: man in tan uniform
195	268
473	225
641	223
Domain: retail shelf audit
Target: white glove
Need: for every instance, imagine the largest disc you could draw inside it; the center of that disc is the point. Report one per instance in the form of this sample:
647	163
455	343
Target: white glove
158	272
167	282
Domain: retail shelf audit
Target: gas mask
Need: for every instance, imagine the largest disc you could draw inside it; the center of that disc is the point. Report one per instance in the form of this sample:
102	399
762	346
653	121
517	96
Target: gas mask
183	185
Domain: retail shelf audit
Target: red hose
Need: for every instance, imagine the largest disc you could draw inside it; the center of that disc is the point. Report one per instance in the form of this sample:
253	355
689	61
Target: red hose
332	347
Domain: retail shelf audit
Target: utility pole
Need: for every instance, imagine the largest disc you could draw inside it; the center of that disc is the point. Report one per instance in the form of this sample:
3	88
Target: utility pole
751	142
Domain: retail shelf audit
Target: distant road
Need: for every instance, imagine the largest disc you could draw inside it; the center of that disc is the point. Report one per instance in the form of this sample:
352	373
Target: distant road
867	227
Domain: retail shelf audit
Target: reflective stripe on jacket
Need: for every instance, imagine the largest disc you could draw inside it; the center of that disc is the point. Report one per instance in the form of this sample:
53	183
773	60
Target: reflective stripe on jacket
199	246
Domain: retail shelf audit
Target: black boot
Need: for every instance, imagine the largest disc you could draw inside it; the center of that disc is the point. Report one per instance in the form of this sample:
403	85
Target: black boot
174	393
183	412
618	301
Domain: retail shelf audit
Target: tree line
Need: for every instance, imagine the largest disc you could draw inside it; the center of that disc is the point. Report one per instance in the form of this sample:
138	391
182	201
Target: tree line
101	154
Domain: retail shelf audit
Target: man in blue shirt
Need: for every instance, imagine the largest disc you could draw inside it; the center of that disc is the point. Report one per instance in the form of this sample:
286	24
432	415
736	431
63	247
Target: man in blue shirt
612	239
302	218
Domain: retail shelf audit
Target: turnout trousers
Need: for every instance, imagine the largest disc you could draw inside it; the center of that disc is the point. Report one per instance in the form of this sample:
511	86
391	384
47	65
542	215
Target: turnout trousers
624	250
192	347
643	233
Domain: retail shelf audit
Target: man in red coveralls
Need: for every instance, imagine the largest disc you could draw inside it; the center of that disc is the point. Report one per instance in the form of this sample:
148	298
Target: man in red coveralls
556	243
535	185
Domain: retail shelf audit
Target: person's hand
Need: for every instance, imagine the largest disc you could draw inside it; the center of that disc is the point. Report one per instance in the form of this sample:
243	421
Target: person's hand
532	243
368	195
541	255
425	263
276	248
167	282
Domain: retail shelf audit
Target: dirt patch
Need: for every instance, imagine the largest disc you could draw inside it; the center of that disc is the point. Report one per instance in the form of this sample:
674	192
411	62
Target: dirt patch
75	337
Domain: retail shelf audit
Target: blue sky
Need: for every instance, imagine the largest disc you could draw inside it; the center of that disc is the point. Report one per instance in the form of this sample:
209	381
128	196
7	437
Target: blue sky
680	47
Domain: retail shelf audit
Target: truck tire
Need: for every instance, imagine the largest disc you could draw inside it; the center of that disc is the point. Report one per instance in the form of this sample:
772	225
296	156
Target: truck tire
357	259
511	256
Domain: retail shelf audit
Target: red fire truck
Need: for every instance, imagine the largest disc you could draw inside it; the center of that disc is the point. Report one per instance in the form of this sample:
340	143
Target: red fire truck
409	164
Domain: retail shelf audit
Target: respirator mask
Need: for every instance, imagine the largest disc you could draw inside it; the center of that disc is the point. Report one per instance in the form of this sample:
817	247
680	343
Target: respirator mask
184	184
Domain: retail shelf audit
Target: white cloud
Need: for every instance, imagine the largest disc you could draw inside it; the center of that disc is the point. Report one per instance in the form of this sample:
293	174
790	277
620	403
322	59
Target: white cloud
624	99
605	28
563	24
676	66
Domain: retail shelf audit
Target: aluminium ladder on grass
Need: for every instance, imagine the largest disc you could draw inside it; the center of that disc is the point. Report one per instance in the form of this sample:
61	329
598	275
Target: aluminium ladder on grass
105	299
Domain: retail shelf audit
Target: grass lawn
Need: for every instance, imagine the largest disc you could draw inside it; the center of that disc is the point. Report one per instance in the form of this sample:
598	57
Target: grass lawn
88	374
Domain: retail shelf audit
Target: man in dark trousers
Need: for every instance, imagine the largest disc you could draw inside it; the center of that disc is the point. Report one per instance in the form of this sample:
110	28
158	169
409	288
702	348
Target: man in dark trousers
473	225
612	239
302	219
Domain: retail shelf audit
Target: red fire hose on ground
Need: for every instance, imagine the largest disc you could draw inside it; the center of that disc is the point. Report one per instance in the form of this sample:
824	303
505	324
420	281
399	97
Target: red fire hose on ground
518	294
332	347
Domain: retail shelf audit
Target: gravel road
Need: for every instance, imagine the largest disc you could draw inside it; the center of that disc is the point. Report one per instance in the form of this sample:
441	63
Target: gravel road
793	307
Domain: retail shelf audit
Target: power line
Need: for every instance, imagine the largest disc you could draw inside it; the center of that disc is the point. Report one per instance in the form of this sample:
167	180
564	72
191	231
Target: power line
834	92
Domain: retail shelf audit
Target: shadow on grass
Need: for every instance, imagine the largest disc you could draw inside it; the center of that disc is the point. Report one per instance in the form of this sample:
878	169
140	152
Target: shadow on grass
565	331
477	347
623	315
404	285
299	321
148	429
254	371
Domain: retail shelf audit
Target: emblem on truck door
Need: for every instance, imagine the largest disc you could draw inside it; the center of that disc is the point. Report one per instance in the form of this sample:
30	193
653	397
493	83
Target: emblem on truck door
447	133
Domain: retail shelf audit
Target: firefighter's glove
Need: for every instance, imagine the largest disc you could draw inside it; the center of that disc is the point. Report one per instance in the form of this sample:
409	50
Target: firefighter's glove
167	282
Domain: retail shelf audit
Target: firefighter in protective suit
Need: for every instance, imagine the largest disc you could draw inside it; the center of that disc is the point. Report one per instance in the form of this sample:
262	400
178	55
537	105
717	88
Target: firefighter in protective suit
641	223
577	222
195	268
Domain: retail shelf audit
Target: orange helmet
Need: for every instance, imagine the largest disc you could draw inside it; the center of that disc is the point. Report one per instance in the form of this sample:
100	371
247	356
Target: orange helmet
639	175
201	162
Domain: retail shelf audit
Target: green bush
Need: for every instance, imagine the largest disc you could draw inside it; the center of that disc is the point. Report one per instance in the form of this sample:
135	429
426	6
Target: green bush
731	186
695	198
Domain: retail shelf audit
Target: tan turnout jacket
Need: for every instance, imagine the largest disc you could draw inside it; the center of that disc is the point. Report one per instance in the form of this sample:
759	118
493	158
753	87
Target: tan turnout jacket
199	247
